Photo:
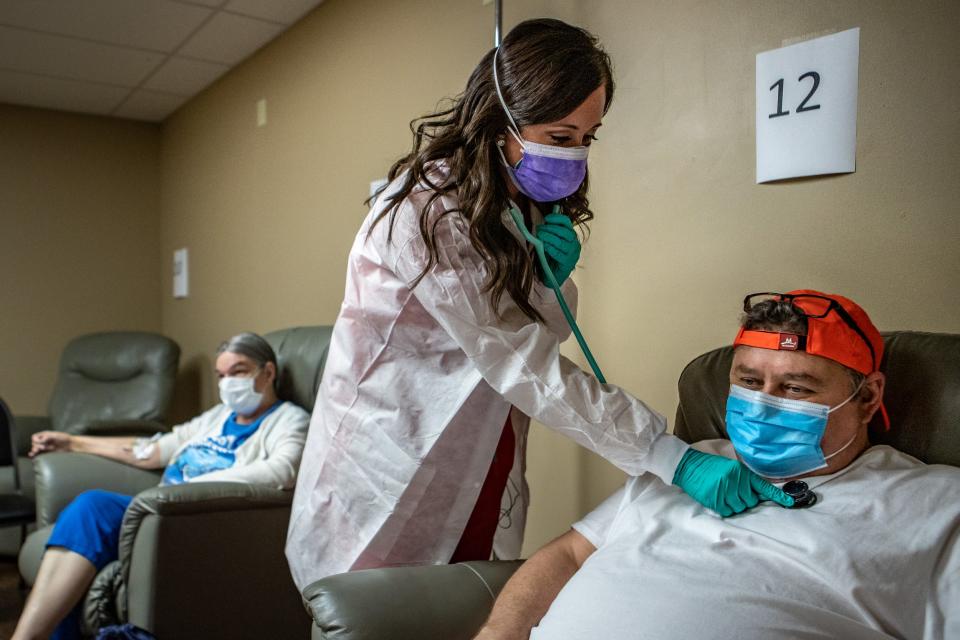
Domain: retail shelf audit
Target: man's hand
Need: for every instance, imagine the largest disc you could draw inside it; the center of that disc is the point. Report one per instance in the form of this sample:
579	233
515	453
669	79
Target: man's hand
47	441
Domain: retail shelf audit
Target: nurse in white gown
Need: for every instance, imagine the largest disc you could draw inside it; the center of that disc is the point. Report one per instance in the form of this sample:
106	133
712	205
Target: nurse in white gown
447	342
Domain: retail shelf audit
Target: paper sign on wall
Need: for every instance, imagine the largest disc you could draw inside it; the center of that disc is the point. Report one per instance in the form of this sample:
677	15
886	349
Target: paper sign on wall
807	108
181	277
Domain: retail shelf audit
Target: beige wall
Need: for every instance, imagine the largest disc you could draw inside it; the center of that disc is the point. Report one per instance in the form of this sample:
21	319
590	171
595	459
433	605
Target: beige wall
682	231
269	213
79	222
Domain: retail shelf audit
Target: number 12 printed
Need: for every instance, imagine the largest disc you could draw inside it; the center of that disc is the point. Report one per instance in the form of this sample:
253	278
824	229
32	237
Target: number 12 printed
778	85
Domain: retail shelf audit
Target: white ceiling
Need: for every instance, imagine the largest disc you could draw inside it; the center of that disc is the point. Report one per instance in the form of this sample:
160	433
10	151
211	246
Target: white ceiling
138	59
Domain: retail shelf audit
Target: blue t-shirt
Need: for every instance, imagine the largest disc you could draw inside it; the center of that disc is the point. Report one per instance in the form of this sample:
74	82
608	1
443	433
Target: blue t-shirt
213	453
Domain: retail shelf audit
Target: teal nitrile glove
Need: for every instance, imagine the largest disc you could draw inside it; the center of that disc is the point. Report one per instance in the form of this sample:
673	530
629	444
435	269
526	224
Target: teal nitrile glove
724	485
560	243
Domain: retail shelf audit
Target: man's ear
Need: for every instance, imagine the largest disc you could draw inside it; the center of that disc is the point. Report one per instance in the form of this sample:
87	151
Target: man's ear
870	396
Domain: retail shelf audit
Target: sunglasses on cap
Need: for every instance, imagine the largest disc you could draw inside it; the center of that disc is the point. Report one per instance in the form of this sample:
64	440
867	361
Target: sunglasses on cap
815	307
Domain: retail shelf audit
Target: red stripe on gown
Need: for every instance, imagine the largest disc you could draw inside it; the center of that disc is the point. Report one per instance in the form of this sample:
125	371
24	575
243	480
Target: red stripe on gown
476	543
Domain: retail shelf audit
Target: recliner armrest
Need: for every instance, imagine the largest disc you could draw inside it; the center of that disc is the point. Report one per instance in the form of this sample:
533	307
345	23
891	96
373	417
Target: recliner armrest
401	603
230	533
60	477
125	427
192	499
205	497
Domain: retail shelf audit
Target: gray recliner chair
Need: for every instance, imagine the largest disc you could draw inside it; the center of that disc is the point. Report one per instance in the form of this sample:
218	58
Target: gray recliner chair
450	602
117	382
112	382
203	560
922	396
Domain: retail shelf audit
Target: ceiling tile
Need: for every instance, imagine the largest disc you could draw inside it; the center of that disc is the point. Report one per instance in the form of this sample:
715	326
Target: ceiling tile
73	59
149	105
185	77
159	25
230	38
52	93
285	11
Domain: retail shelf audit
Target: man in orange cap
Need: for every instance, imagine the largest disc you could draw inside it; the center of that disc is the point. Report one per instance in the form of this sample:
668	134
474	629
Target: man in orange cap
770	420
651	563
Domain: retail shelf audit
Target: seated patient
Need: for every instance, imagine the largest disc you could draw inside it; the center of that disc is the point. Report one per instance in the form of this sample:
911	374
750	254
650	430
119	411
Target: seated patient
253	437
876	556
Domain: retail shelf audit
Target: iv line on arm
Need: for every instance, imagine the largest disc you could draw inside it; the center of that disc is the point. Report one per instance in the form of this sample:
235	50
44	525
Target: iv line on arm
553	284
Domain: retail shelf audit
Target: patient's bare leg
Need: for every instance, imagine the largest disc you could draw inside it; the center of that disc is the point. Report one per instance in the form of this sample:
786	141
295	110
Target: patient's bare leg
63	578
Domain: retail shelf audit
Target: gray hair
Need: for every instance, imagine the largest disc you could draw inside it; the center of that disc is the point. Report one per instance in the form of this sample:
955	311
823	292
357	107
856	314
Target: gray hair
252	346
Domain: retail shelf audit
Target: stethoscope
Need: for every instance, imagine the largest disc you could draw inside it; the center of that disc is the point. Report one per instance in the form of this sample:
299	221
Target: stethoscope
553	284
803	496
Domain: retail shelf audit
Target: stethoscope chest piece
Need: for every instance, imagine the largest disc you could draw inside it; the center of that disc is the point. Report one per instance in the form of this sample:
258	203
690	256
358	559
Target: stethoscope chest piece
803	496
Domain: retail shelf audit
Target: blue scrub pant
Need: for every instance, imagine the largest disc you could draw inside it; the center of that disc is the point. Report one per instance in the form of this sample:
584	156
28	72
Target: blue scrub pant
90	526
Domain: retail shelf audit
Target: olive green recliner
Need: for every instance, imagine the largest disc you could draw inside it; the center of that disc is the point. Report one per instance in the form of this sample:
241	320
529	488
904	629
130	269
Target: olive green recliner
450	602
199	560
118	382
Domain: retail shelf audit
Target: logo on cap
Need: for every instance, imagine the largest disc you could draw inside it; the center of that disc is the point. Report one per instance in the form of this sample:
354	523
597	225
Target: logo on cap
789	342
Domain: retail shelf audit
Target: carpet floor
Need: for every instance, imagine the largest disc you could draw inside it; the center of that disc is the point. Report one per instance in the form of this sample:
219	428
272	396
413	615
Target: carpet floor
11	597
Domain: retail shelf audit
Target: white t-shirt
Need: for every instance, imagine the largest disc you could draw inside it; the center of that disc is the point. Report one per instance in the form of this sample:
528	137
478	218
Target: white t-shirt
877	556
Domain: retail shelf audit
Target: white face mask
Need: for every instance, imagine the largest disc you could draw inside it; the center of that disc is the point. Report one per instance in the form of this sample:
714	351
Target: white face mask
239	394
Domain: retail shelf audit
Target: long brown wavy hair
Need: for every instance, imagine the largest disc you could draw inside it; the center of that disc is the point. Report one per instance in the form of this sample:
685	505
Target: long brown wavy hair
546	69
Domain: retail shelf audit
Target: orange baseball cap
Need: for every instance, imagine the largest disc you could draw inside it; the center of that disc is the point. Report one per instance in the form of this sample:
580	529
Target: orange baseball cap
837	329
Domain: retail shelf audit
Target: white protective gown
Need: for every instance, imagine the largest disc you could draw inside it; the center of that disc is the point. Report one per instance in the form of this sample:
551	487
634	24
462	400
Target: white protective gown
415	393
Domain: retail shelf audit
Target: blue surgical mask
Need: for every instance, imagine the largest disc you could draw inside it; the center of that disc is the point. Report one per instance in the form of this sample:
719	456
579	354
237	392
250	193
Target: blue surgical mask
778	437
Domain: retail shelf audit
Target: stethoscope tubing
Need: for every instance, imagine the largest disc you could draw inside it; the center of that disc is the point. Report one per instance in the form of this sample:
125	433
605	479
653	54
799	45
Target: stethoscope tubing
553	284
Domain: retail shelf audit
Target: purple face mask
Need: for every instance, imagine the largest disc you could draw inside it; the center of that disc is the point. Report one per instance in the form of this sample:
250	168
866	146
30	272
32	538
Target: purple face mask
545	173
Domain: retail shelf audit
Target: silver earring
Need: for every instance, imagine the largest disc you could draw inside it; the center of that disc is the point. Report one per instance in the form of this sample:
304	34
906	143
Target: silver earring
501	141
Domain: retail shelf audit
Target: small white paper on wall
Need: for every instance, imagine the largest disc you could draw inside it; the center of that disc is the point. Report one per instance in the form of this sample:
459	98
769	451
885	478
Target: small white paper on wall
807	108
